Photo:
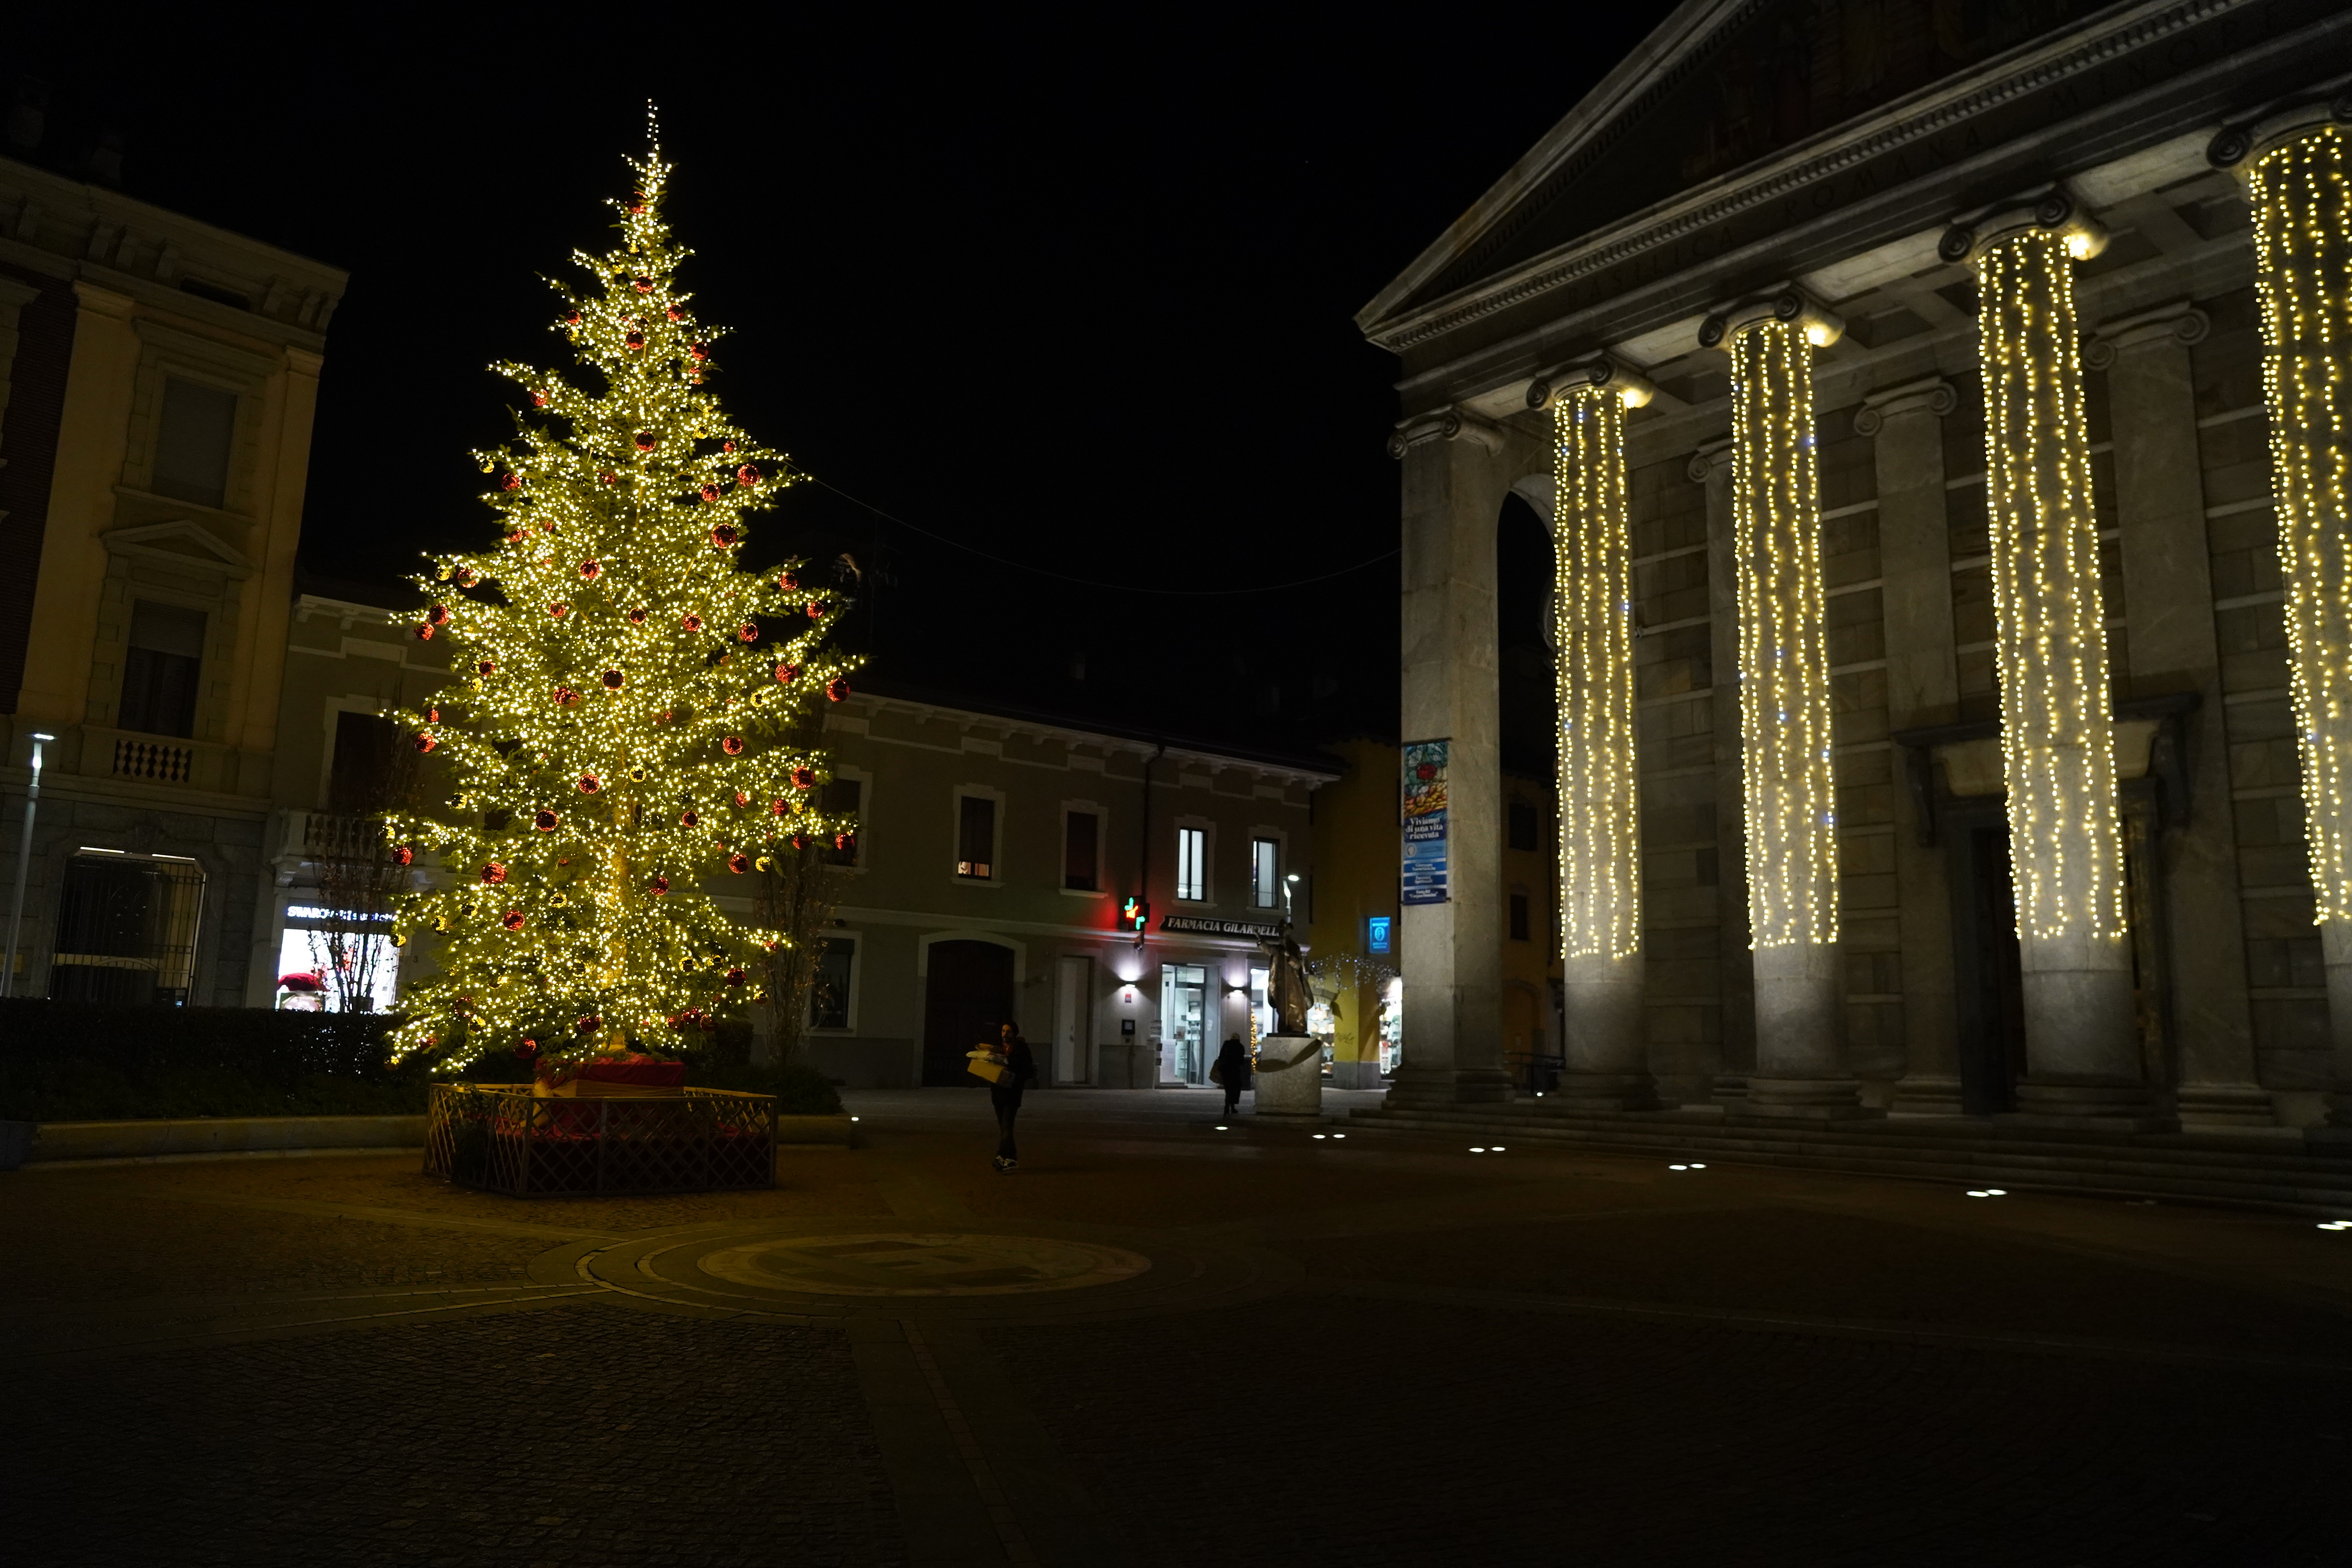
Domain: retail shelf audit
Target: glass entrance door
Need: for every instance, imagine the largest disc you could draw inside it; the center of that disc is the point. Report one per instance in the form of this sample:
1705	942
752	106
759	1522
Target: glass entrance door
1183	1023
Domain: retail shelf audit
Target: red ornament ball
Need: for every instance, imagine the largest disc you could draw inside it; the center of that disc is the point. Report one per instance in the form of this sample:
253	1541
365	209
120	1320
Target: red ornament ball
726	536
512	919
787	673
510	482
570	317
736	977
800	840
843	840
778	808
636	617
804	777
644	285
676	314
433	715
494	873
487	667
732	745
527	1050
612	680
591	569
659	885
698	351
788	581
515	537
559	609
609	477
424	633
469	577
647	441
837	688
438	614
688	818
539	400
565	697
584	1025
544	821
747	632
403	855
742	800
634	341
690	621
738	863
817	607
710	493
746	475
589	783
726	446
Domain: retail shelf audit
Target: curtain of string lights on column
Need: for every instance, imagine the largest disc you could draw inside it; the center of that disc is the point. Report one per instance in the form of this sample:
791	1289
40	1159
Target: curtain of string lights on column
2050	635
1593	609
2302	246
1784	680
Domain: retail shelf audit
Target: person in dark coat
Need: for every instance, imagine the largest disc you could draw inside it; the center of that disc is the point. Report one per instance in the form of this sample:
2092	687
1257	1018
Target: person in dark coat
1020	1071
1233	1072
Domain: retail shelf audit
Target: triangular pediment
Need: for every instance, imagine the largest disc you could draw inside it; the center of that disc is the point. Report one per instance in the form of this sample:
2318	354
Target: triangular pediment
1717	88
180	537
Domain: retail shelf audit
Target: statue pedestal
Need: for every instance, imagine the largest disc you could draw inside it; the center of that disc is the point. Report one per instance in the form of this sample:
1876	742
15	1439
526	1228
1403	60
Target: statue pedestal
1296	1091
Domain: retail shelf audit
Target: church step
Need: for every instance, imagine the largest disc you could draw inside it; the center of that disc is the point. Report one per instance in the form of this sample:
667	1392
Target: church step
2180	1167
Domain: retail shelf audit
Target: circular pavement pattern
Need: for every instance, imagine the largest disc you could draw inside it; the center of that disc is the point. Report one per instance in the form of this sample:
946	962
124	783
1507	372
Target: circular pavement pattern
925	1264
802	1270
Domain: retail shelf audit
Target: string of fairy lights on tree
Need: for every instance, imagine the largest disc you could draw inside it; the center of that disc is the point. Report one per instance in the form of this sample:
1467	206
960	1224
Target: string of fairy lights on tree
2051	643
2302	198
1785	708
618	729
1593	613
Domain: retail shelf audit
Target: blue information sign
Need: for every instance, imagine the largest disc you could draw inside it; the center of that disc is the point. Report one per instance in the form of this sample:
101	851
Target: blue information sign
1377	929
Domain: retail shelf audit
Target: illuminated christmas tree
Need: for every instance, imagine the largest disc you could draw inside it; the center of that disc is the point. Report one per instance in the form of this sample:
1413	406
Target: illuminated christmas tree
617	730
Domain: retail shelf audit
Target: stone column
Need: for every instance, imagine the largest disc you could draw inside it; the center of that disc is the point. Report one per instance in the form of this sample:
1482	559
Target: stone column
1923	688
2169	584
1453	491
2065	842
1606	1049
2298	175
1785	713
1735	975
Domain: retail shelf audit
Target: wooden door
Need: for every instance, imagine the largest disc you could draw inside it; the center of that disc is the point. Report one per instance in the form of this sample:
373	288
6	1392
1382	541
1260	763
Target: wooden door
1073	1019
967	998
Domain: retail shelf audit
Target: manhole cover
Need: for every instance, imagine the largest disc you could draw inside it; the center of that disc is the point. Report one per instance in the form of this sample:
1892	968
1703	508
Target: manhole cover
901	1264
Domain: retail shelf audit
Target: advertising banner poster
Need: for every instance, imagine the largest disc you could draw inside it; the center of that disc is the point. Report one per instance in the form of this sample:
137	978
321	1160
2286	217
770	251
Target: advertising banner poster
1424	822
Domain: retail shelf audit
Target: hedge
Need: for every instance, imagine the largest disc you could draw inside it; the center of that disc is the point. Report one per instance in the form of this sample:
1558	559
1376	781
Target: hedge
65	1062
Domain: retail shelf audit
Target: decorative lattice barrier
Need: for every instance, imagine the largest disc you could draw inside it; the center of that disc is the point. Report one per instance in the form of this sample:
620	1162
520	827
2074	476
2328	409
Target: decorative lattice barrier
501	1138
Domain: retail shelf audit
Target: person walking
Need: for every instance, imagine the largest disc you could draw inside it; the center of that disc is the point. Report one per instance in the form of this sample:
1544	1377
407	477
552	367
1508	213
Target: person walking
1020	1071
1233	1072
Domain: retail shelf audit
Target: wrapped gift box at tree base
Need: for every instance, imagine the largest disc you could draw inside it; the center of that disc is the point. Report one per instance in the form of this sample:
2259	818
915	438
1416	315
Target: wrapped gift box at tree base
610	1081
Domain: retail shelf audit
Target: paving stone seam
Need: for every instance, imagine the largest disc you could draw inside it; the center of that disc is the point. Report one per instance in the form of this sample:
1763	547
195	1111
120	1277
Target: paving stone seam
247	1331
1843	1327
415	1217
983	1476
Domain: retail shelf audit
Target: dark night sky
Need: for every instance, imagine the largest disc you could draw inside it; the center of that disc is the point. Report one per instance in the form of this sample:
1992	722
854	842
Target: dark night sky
1073	293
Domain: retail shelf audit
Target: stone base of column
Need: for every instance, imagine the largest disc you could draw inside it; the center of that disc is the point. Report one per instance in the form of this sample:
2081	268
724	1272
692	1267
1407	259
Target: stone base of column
1928	1094
1585	1091
1296	1089
2224	1105
1426	1087
1813	1098
2087	1105
1730	1090
1355	1075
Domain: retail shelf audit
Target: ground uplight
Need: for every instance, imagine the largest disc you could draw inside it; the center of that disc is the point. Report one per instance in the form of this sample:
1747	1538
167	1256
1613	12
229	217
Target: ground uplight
2337	1224
1987	1193
1320	1137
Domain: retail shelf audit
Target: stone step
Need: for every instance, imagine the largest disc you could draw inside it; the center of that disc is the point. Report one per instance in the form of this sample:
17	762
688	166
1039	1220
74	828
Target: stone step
2181	1167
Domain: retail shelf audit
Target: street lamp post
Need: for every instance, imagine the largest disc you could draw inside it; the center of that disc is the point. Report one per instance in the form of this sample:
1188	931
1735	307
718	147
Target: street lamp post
23	863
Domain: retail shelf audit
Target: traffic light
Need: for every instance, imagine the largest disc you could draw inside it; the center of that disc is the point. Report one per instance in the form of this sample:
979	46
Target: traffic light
1134	915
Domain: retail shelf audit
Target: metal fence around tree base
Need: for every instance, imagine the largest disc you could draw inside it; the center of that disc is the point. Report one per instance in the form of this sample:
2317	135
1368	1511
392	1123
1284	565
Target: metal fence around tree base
502	1139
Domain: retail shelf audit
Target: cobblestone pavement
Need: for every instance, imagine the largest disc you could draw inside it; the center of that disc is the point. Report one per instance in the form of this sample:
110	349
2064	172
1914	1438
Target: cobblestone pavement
1535	1357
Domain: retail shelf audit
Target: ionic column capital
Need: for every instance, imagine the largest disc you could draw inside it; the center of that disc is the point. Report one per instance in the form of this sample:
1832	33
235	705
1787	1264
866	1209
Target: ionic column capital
1969	238
1932	395
2241	146
1602	370
1822	325
2179	324
1711	457
1443	425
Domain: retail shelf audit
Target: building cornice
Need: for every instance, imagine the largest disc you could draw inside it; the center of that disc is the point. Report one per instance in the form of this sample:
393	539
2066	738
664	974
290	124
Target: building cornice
2032	67
1070	735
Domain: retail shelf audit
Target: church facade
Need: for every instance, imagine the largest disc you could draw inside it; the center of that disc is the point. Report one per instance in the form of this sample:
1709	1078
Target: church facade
1941	415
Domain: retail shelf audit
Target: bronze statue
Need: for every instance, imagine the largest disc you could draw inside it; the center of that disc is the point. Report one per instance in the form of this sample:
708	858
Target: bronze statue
1286	984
